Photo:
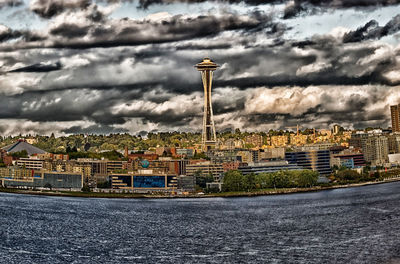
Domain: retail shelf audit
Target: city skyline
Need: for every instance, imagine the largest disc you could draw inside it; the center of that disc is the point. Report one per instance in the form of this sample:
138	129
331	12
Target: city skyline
104	67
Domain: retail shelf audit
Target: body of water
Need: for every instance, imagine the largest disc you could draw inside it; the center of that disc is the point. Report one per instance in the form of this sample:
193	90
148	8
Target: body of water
354	225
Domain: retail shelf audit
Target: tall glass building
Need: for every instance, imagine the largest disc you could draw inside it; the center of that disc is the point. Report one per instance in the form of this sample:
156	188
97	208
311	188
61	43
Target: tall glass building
316	160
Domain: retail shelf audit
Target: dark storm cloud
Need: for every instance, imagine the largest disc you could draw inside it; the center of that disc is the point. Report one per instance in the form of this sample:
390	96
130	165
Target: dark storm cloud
50	8
176	28
8	34
94	129
372	30
40	67
128	32
98	81
10	3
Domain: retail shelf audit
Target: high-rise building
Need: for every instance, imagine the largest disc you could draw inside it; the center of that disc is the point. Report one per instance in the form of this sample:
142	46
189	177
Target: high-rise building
376	150
395	113
209	137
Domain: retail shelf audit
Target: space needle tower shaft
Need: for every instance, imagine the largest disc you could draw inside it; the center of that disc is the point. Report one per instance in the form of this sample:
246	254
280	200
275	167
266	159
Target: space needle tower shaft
209	138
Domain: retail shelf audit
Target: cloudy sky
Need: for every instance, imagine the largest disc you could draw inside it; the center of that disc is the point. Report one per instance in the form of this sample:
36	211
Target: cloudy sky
105	66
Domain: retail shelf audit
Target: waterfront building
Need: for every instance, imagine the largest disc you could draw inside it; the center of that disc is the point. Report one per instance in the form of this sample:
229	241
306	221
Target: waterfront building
395	114
23	178
268	167
145	180
316	160
350	158
376	150
209	138
394	158
205	168
186	183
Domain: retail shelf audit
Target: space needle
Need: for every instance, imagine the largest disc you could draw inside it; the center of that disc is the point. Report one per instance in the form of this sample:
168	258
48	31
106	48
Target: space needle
209	138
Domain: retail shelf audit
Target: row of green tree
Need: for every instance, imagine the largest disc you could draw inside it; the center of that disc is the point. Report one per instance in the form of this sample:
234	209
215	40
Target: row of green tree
235	181
345	176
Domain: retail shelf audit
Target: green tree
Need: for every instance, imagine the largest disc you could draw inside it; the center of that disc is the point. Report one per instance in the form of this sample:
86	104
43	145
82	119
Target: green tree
234	181
305	178
202	180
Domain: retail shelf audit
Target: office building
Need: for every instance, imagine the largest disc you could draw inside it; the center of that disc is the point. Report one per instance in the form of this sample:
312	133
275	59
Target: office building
268	167
357	140
316	160
186	183
376	150
395	114
205	168
33	164
394	143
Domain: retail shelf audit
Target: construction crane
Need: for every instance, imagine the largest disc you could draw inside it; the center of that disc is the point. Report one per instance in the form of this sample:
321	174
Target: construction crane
297	127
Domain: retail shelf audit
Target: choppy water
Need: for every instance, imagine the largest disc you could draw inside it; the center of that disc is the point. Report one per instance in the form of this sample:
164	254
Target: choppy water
357	225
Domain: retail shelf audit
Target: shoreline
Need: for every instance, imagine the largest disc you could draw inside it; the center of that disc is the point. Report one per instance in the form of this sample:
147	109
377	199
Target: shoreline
212	195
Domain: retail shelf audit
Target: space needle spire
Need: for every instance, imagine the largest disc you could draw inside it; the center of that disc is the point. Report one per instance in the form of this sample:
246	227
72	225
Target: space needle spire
209	138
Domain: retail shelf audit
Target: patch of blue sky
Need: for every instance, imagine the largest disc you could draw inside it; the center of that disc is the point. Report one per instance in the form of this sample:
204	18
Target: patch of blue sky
21	18
306	26
130	9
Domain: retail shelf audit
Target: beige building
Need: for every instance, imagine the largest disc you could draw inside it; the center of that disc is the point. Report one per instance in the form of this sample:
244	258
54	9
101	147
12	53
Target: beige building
205	168
273	153
376	150
254	140
33	164
394	143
